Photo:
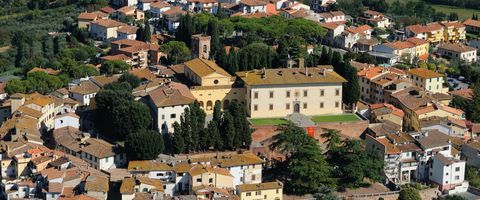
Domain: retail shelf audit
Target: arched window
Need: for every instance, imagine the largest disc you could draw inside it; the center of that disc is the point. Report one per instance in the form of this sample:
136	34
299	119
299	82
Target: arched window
209	105
226	104
201	104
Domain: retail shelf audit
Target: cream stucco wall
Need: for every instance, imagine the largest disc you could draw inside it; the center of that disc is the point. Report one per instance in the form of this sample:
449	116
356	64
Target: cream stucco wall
272	194
261	105
207	96
213	179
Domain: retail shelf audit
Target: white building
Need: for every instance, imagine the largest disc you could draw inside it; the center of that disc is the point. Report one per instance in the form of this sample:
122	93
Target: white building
127	32
98	153
448	172
332	16
83	92
67	119
458	51
253	6
157	8
168	103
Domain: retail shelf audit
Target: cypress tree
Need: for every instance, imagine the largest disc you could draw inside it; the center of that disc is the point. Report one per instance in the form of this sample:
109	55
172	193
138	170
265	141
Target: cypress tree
214	34
228	130
147	33
324	57
475	103
351	89
336	60
232	61
217	113
215	138
178	142
330	56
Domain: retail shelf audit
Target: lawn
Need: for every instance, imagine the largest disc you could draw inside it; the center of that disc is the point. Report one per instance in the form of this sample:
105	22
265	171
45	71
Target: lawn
268	121
335	118
463	13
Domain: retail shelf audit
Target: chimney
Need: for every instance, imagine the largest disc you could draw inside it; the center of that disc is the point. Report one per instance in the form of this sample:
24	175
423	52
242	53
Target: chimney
301	63
264	74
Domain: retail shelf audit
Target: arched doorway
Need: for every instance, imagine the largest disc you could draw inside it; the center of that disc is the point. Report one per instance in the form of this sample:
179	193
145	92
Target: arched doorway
296	107
209	105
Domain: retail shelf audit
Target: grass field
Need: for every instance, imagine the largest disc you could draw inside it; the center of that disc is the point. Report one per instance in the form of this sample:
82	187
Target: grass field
268	121
463	13
335	118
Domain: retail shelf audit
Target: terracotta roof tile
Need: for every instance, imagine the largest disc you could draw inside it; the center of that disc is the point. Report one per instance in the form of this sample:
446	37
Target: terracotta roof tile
290	76
148	165
471	22
108	23
203	67
128	29
171	94
456	47
96	183
260	186
201	169
424	73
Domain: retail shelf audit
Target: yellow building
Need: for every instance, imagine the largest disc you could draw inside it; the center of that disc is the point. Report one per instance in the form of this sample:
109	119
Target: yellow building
36	106
211	83
207	175
428	80
283	91
438	32
269	190
418	104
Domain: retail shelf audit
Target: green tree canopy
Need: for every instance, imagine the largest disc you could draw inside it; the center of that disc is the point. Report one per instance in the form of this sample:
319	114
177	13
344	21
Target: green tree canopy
177	52
409	193
131	79
114	67
144	145
305	169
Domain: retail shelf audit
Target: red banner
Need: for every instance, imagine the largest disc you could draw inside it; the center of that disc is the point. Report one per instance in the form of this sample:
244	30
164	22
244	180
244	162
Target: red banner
311	131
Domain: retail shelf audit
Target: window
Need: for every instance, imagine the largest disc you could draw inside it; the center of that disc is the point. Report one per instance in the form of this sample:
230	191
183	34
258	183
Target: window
321	104
255	107
258	193
210	180
106	159
145	189
199	180
270	107
205	48
248	194
457	177
337	92
276	191
255	95
159	174
457	169
337	104
288	94
215	82
304	105
271	94
253	177
305	93
445	148
287	106
163	116
322	93
265	196
173	116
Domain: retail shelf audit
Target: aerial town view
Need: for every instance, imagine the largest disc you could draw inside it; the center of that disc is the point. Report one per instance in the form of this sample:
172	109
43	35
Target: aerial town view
240	99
